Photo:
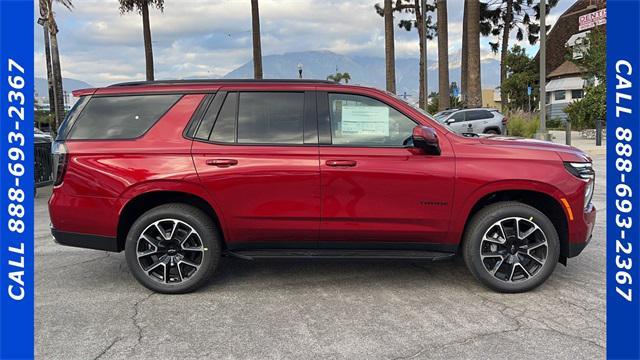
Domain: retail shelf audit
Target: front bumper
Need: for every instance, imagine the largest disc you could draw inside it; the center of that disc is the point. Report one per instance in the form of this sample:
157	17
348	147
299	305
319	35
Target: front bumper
583	237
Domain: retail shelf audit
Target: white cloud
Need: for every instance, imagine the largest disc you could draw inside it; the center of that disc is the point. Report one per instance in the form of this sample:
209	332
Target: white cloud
208	38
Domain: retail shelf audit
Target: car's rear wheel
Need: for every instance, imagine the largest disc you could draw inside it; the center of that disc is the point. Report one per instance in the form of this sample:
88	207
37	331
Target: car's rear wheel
173	248
511	247
492	132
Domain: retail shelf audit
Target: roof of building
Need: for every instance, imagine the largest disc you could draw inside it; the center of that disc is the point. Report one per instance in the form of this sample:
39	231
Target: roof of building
565	27
567	68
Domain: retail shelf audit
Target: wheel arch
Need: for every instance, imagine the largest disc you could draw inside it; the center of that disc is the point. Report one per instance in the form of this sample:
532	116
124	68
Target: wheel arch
494	128
543	197
142	202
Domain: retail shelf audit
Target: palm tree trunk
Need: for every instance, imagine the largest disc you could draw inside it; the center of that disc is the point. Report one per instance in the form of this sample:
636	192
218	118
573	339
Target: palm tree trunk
421	33
508	19
474	80
443	56
464	63
389	47
47	53
257	47
57	81
148	48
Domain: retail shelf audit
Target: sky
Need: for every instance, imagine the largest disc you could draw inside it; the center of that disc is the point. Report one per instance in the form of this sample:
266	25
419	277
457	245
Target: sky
209	38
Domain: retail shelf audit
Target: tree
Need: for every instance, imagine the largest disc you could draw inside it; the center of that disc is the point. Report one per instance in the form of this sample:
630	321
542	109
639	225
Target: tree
426	30
443	55
499	17
389	44
593	106
52	54
142	6
464	63
434	100
474	96
257	47
338	76
521	73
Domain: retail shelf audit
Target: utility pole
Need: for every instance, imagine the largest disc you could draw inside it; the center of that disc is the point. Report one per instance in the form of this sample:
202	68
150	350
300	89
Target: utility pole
423	8
542	133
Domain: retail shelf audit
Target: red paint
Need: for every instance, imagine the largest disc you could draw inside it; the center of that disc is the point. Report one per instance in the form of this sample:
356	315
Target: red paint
305	194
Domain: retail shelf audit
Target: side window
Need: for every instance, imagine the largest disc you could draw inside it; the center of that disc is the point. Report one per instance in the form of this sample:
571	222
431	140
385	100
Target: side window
478	115
459	116
577	94
362	121
270	118
224	129
559	95
120	117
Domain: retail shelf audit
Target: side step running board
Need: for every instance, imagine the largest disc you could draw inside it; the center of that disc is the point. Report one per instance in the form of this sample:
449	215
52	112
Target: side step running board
340	254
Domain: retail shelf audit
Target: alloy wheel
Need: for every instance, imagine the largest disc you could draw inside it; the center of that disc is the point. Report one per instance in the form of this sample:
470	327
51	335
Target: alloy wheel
514	249
170	251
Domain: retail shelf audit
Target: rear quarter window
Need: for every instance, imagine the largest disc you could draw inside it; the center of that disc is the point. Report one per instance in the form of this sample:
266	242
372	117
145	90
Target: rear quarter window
120	117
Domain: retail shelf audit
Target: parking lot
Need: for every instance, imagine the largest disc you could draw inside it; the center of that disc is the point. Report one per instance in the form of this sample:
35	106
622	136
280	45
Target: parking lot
88	306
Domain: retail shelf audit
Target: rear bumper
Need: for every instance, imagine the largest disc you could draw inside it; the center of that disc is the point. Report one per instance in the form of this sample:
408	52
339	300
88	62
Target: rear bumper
583	237
86	241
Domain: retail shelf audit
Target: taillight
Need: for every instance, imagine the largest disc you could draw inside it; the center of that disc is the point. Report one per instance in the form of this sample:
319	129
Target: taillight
60	161
505	120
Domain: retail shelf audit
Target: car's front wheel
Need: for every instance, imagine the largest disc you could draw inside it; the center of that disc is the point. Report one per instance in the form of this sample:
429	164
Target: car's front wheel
511	247
173	248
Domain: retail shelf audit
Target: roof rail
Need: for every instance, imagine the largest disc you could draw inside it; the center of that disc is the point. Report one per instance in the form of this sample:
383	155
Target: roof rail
220	81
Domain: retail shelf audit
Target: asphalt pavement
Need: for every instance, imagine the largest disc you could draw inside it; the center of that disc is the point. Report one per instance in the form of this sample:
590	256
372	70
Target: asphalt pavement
88	306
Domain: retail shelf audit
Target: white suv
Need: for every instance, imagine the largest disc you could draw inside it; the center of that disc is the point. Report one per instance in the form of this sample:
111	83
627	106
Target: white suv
477	121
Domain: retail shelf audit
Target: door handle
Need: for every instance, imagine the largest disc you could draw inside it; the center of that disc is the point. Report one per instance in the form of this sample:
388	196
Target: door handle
222	162
341	163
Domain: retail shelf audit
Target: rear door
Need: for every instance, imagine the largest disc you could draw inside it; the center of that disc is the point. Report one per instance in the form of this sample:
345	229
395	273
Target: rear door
256	153
478	120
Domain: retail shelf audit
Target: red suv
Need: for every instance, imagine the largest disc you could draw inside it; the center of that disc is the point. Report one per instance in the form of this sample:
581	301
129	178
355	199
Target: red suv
179	173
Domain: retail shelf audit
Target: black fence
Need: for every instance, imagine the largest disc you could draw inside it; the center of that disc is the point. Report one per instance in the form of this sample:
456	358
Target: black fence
43	164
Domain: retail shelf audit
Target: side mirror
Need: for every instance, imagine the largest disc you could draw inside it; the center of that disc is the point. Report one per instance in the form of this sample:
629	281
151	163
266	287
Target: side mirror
450	121
426	139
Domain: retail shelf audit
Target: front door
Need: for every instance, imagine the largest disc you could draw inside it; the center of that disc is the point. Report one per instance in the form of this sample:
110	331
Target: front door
377	190
257	155
459	123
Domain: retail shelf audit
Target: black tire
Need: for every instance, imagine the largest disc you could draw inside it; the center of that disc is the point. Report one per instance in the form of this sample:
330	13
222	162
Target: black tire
492	132
503	278
206	254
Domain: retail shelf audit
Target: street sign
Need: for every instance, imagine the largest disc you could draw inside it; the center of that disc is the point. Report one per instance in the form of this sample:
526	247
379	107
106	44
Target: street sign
529	90
455	92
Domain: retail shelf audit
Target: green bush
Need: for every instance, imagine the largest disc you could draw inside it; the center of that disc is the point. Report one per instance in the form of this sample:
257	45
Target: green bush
555	123
522	124
593	106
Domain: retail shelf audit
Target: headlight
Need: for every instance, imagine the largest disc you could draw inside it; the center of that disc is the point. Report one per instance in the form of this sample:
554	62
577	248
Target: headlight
585	172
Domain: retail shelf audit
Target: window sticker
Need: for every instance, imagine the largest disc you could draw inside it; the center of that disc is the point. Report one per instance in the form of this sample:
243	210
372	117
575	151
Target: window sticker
365	120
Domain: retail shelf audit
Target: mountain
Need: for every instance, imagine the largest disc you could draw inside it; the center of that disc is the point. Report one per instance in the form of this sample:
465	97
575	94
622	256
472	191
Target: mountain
68	84
369	71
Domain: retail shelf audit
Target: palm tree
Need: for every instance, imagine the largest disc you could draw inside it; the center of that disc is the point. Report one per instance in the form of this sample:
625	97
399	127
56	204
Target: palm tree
474	86
464	63
143	8
257	47
389	44
52	54
443	56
